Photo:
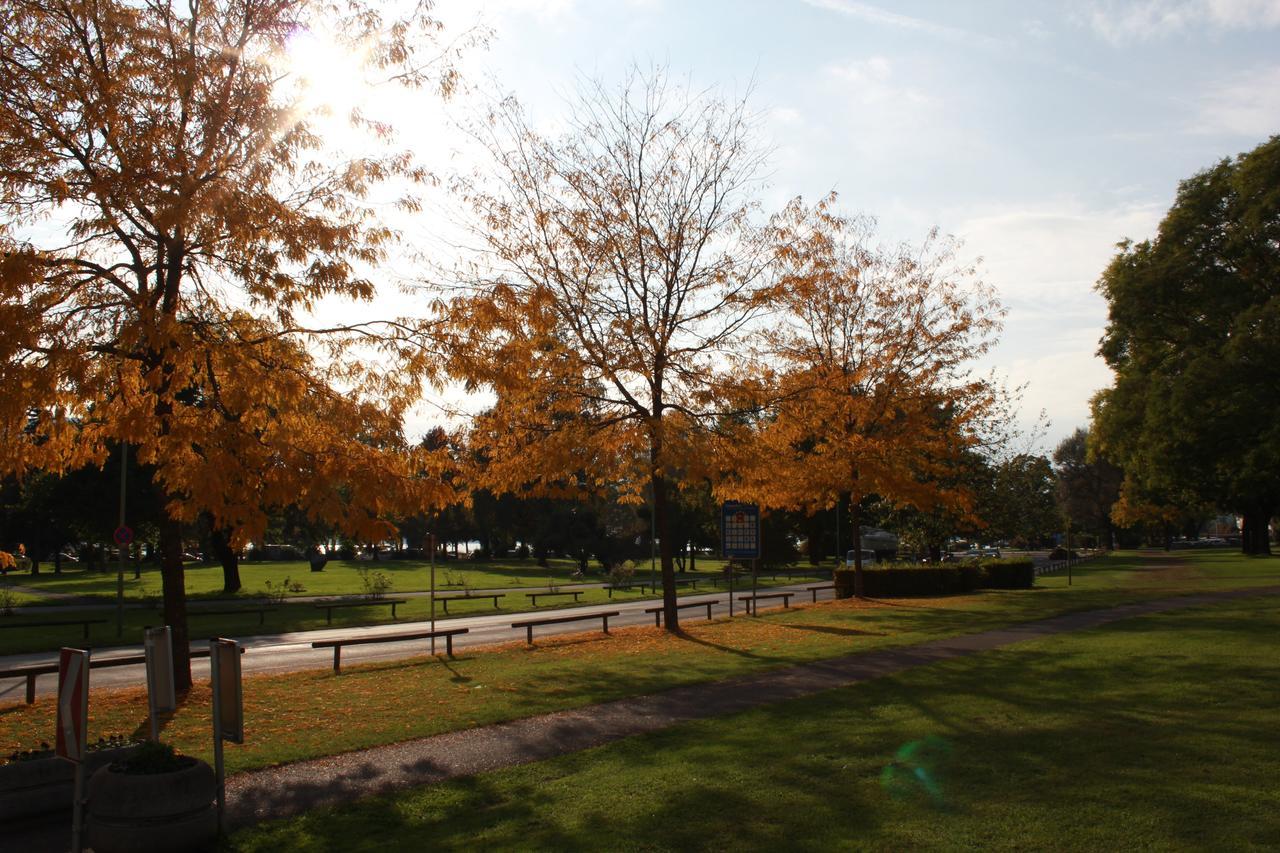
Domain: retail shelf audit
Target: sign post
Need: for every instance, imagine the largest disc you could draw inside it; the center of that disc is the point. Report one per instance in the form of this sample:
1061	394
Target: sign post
161	695
431	543
73	726
228	708
123	538
739	536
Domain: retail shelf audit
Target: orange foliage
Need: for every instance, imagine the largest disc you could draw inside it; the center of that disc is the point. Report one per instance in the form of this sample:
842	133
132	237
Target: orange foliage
873	393
168	220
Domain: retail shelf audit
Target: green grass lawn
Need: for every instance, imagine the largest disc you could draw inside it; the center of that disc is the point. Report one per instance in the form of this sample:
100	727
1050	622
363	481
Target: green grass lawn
313	713
340	577
1155	733
287	617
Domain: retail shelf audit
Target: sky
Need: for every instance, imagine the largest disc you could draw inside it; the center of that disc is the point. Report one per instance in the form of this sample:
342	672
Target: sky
1039	133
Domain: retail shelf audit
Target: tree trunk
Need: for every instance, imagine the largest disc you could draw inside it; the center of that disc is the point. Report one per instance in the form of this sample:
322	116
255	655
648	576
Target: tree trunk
175	600
659	482
855	516
1254	539
220	542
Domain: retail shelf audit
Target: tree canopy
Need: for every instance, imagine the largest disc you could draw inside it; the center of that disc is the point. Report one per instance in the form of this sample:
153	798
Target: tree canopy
168	219
1194	320
623	265
872	347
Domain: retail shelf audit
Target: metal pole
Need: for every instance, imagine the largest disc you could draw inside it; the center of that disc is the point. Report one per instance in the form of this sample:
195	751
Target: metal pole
431	543
124	458
77	818
730	566
653	546
218	768
839	555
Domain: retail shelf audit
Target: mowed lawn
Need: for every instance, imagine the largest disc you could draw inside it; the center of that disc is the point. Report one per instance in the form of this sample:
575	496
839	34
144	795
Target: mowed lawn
314	713
339	577
1154	733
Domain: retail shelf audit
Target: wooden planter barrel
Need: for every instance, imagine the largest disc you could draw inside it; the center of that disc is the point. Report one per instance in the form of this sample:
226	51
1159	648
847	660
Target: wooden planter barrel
152	812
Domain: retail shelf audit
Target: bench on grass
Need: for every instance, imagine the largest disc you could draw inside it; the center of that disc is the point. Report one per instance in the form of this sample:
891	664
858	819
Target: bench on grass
657	611
84	623
816	589
336	645
230	611
31	671
534	596
357	602
752	601
445	599
625	587
530	624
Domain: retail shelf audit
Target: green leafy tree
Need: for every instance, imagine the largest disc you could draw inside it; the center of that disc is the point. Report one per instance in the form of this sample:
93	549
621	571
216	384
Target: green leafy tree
1088	487
1194	340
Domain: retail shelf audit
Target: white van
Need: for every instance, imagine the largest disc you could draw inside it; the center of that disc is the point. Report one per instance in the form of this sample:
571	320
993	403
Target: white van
868	558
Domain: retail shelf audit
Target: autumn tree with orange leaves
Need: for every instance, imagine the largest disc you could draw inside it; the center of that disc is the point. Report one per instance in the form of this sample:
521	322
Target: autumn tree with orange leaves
622	267
874	395
167	220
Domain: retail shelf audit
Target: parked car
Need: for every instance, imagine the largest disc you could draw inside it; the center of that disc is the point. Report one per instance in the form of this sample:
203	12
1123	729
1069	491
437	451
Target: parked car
868	558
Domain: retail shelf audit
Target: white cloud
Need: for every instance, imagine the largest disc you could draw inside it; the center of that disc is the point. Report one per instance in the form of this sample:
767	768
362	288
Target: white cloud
1050	255
1044	260
876	15
1246	104
1123	22
871	81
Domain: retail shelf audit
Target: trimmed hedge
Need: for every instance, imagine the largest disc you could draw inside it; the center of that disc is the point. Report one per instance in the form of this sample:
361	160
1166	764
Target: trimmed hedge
1009	573
904	580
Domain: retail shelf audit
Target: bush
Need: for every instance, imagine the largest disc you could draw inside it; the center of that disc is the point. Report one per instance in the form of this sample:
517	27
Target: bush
622	574
890	581
152	758
375	581
895	581
971	576
1009	573
1061	553
480	554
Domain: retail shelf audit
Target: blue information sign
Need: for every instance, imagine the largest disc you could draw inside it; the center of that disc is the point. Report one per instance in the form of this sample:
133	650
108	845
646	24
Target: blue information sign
740	530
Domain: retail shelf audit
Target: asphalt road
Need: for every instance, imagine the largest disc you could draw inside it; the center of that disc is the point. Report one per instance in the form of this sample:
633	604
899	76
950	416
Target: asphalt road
278	653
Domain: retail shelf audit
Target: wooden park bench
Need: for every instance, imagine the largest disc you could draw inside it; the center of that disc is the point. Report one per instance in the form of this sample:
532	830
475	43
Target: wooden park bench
31	671
625	587
357	602
534	596
84	623
230	611
752	600
530	624
445	599
336	645
816	589
657	611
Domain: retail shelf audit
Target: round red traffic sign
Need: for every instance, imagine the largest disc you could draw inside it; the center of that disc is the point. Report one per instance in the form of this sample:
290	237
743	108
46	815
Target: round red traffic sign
123	535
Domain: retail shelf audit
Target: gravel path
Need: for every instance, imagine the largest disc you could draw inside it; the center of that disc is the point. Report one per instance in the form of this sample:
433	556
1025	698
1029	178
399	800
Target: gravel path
291	789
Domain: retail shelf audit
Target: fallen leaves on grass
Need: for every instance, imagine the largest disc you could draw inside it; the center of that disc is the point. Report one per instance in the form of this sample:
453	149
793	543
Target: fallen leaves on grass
310	713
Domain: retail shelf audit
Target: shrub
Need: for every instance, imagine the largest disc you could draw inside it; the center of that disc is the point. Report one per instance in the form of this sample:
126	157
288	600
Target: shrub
891	581
376	582
622	574
1009	573
276	594
971	576
153	757
1061	553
